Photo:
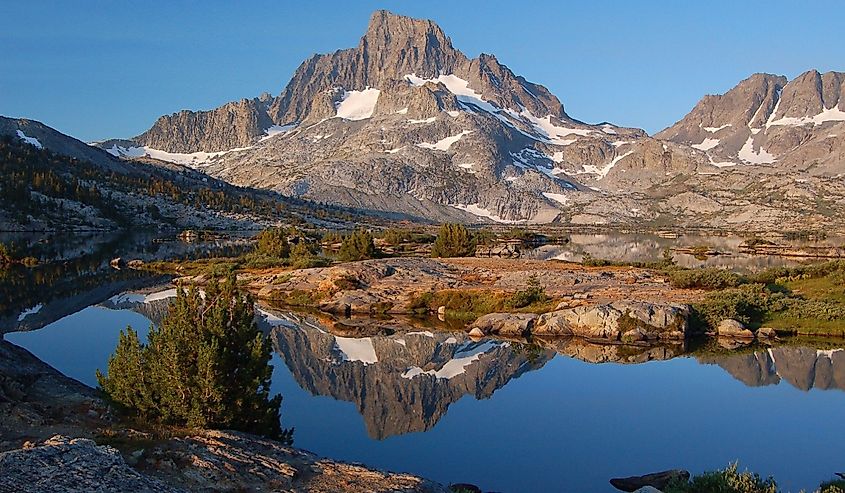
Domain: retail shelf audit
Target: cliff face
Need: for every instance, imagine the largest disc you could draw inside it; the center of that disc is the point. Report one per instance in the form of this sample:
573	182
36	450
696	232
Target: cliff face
233	125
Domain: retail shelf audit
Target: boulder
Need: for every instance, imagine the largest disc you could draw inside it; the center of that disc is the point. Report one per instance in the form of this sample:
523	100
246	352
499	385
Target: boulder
511	324
735	329
766	333
638	319
648	489
476	332
658	480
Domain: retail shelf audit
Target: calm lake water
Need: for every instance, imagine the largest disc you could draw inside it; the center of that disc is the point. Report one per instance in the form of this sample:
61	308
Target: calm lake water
504	416
514	419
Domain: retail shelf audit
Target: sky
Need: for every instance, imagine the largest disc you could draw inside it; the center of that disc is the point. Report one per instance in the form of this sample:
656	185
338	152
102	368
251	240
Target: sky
108	69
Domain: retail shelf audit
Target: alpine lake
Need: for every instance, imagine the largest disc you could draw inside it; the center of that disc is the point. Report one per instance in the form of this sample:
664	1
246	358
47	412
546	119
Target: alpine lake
503	415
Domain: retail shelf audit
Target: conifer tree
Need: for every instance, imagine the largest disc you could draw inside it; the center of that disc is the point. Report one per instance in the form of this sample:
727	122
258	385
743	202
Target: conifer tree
206	366
453	240
357	246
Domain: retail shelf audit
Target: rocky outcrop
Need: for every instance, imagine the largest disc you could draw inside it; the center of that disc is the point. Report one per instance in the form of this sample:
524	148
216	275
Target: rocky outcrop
71	465
233	125
212	461
227	461
733	328
625	321
505	324
659	480
394	284
36	401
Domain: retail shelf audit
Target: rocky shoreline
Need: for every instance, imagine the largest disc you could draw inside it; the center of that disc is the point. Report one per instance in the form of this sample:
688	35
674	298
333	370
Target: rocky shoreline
51	425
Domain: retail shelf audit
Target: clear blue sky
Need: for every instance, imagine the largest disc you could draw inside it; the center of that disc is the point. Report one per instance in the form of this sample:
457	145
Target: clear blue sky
100	69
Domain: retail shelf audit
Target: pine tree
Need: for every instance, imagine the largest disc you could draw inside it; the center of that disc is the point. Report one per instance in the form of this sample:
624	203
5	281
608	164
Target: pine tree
453	240
206	366
273	242
357	246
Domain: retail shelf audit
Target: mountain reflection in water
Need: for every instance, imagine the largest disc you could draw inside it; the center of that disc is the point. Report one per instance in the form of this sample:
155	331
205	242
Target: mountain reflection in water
403	382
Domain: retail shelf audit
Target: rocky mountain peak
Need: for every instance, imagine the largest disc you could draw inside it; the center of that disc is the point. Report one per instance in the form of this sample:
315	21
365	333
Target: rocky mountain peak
401	45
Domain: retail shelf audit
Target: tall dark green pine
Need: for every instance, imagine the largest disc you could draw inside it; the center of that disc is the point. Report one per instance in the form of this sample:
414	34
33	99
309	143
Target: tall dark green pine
206	366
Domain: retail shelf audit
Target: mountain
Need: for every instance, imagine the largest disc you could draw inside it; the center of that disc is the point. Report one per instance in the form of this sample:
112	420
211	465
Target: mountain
768	120
405	122
53	181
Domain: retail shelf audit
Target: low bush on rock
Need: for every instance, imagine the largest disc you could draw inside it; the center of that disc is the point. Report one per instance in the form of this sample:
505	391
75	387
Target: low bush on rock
710	278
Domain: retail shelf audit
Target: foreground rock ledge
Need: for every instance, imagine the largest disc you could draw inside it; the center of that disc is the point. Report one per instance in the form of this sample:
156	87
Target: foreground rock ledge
625	321
207	461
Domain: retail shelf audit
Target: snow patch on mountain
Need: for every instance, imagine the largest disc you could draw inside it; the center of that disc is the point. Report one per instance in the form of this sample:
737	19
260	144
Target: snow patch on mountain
604	170
274	130
479	211
827	115
426	120
446	143
557	197
30	140
193	159
748	154
30	311
458	364
713	130
354	349
358	105
706	144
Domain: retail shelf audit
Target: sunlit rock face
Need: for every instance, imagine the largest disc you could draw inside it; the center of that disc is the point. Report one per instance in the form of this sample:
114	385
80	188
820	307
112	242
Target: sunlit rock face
802	367
403	382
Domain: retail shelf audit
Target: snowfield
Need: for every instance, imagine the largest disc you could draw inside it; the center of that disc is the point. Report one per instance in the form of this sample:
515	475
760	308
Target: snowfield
446	143
748	155
706	144
358	105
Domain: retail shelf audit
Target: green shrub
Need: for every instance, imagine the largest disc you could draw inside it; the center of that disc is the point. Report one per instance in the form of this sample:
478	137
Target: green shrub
357	246
728	480
746	304
709	278
273	242
453	240
535	293
206	366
